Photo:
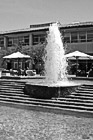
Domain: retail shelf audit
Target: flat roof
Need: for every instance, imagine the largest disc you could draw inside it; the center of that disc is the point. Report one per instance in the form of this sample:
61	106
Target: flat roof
45	26
78	24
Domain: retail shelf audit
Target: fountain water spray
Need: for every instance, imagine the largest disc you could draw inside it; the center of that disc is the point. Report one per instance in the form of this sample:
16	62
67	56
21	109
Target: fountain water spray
55	61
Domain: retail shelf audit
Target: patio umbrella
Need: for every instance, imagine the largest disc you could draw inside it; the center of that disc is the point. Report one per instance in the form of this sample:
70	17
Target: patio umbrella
16	55
78	55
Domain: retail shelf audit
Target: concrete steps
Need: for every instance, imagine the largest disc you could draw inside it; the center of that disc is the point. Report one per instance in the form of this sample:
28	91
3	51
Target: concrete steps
14	87
12	92
53	105
68	105
49	103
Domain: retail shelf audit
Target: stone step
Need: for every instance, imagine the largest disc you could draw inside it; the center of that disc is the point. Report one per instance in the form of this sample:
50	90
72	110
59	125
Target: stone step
11	84
15	87
15	97
87	86
13	94
80	97
11	91
75	100
83	91
48	104
81	94
11	80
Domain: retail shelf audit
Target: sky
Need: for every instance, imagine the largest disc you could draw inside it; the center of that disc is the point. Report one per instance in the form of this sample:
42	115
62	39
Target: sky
19	14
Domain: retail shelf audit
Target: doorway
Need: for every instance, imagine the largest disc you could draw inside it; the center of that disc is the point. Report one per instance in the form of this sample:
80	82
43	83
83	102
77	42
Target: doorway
9	66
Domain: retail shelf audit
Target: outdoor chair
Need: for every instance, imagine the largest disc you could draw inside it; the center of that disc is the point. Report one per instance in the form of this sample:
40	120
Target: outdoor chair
30	73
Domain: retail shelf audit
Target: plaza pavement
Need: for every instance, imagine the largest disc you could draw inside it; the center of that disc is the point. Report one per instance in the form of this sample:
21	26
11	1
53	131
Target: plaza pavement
17	124
20	124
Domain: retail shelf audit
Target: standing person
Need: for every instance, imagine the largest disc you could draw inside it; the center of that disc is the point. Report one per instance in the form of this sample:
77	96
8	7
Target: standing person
19	71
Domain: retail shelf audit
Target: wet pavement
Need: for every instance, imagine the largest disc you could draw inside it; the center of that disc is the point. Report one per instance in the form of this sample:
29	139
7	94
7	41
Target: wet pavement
19	124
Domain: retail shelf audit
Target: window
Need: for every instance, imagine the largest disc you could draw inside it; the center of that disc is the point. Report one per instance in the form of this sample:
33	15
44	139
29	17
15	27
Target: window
90	36
74	37
38	39
35	39
82	36
15	40
42	39
26	40
10	42
20	39
67	38
16	65
1	42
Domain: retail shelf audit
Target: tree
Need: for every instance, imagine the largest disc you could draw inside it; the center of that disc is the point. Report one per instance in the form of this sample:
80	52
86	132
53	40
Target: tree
36	53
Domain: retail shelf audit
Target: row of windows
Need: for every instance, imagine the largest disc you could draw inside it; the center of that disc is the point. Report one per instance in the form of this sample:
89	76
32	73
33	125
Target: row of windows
78	37
24	40
73	37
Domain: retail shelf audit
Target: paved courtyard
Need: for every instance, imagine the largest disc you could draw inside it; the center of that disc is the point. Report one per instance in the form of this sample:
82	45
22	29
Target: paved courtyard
19	124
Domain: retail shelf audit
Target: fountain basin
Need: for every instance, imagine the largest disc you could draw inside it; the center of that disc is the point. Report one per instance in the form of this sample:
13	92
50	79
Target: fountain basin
48	91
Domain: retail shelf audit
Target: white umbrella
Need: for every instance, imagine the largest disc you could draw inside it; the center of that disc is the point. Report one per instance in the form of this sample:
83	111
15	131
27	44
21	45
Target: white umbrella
78	55
16	55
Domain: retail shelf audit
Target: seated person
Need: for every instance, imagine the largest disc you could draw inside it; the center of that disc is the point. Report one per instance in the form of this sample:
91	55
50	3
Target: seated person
90	73
24	72
78	72
19	71
11	72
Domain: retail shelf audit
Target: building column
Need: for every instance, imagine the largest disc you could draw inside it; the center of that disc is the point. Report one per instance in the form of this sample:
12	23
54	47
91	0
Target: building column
70	37
30	40
5	41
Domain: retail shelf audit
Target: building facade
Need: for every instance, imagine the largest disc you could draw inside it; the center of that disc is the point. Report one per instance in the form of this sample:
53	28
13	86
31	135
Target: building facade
79	36
76	36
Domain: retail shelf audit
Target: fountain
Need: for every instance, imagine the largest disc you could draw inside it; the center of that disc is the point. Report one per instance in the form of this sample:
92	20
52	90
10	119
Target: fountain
55	61
56	83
